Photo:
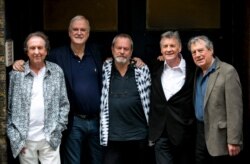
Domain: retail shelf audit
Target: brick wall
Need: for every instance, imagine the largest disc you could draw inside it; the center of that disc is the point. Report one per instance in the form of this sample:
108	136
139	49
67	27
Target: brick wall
3	144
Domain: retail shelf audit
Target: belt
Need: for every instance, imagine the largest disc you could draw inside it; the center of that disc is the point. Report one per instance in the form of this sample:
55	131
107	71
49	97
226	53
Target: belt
86	117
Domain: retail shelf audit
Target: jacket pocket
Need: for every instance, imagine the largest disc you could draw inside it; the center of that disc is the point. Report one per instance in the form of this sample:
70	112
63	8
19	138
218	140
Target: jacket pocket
222	125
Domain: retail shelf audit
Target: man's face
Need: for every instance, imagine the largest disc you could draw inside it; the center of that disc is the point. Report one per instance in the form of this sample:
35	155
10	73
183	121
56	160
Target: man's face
122	50
170	49
36	50
202	56
79	31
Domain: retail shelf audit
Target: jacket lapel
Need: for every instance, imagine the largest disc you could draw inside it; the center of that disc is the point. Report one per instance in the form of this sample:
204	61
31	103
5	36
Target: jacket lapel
211	82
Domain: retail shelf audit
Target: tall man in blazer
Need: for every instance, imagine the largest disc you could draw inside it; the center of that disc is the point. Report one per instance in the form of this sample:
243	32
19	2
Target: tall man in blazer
171	117
218	105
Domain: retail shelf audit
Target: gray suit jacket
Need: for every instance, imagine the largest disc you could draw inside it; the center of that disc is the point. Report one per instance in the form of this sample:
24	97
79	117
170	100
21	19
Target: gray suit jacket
223	109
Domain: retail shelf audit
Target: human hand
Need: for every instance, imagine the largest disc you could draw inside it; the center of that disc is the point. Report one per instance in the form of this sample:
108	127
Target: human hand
233	149
151	143
160	58
138	62
23	150
18	65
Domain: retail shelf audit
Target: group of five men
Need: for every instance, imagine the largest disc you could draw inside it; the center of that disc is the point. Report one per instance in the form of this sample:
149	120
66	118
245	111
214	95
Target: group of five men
115	109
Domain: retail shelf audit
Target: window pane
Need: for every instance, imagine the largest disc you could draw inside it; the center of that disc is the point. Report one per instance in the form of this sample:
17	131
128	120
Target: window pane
101	14
179	14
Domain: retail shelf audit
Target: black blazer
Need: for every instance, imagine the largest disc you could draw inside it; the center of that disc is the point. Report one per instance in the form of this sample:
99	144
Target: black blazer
175	116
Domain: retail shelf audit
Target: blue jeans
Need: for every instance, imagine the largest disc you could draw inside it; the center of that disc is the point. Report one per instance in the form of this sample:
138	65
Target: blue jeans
83	142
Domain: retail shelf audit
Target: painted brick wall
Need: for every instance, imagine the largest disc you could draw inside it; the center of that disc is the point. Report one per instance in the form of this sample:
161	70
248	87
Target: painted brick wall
3	144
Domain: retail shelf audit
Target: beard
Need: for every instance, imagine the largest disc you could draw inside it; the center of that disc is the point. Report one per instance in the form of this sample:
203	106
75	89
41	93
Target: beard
121	60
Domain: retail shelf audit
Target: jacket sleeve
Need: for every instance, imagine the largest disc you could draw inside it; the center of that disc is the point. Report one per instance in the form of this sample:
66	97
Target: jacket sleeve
64	105
234	107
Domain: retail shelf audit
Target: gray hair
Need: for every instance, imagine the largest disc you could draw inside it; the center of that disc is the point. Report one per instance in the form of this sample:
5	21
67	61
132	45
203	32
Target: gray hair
123	35
78	17
208	42
171	34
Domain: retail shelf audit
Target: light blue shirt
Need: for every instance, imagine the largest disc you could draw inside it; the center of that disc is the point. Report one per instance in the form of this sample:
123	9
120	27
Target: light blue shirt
200	91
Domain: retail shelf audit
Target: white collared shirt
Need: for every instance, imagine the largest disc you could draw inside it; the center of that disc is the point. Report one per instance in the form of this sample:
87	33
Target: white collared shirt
173	79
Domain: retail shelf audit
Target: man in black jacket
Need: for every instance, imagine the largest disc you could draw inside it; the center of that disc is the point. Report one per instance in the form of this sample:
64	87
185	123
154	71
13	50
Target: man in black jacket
171	118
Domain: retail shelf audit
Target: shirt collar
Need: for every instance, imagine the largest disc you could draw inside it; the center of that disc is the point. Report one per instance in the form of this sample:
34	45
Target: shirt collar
181	66
212	67
27	69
